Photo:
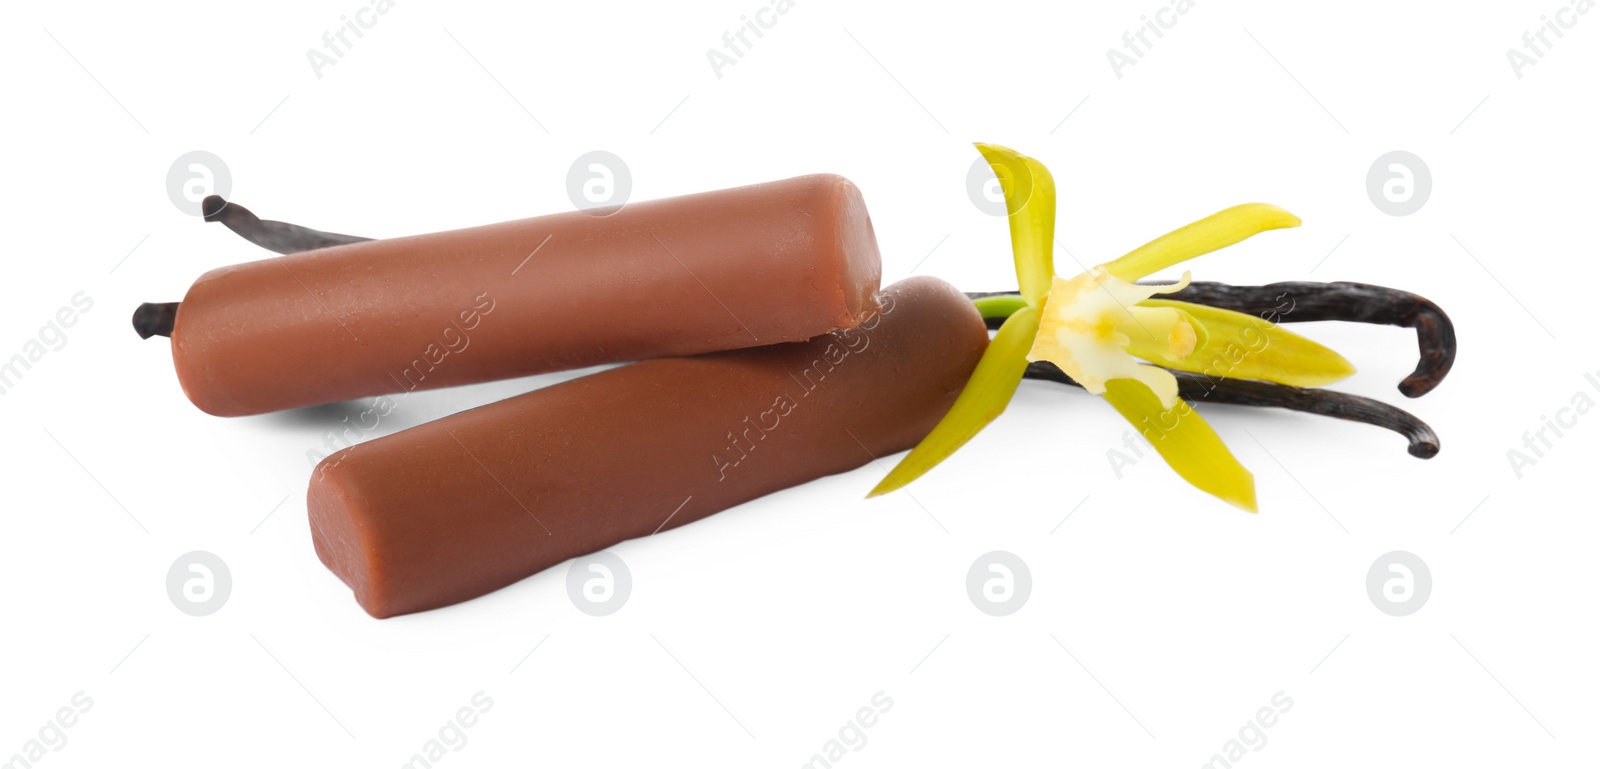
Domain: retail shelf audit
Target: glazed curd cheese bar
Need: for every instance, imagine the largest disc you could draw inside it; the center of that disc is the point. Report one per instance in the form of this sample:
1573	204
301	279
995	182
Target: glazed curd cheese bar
764	264
459	507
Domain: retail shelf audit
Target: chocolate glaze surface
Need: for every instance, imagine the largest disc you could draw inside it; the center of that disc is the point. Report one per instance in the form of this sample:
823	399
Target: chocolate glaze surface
456	508
768	263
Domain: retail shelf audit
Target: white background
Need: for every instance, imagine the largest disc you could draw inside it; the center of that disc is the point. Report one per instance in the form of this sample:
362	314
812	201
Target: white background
1159	621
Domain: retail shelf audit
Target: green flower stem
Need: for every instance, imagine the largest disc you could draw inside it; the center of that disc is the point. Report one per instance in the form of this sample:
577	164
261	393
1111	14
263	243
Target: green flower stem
1001	306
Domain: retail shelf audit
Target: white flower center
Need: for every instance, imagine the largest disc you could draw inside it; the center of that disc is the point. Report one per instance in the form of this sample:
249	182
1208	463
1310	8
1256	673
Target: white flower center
1089	321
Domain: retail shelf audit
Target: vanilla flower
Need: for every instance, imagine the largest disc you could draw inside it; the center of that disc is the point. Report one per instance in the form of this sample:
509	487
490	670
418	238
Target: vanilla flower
1103	329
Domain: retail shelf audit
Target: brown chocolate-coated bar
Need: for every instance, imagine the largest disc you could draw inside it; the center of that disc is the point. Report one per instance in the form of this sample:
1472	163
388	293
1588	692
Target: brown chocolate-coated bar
758	265
465	505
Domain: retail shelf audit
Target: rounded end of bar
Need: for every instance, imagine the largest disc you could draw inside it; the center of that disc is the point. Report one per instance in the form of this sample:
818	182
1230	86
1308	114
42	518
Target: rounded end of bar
860	260
155	319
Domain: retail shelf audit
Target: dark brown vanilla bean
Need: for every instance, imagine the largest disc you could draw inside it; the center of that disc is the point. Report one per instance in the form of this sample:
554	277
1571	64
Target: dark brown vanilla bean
278	237
152	319
1199	388
1301	301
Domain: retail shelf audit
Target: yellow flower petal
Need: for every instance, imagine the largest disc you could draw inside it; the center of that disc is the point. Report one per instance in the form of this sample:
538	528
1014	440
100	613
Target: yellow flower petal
1243	346
985	396
1186	442
1031	203
1170	331
1218	230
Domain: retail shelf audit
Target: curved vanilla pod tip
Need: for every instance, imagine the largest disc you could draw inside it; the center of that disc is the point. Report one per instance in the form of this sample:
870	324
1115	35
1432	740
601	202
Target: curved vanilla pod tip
277	237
